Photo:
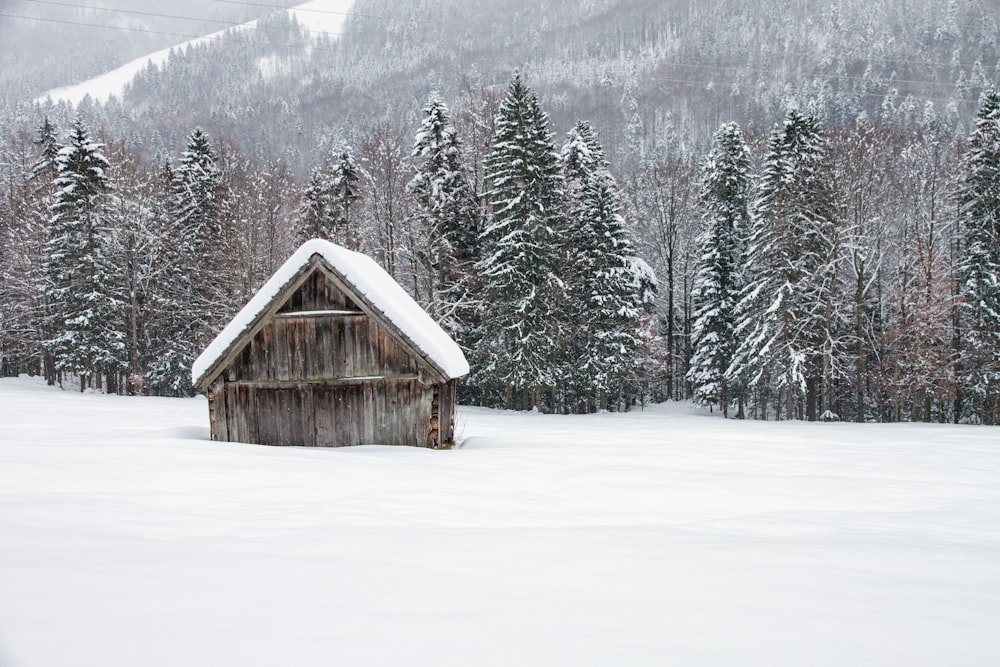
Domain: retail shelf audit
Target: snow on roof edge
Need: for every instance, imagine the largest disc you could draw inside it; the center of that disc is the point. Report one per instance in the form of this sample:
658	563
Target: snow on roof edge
366	278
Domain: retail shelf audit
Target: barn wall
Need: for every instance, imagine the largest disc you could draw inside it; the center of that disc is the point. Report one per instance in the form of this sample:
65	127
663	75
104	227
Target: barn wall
318	292
329	414
320	347
321	372
449	402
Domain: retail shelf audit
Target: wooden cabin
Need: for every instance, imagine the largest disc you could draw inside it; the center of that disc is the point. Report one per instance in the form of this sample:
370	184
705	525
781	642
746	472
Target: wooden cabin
332	352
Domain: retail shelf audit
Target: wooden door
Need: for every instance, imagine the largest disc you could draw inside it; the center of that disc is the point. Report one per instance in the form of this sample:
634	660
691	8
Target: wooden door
286	417
341	415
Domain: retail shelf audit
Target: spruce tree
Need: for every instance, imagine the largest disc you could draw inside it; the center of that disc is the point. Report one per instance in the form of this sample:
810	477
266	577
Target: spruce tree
600	272
523	321
979	270
82	306
191	305
786	319
447	219
725	202
43	175
318	217
48	146
344	191
196	184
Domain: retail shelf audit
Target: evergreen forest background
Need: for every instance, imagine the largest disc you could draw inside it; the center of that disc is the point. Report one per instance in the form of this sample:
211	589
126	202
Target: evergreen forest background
777	209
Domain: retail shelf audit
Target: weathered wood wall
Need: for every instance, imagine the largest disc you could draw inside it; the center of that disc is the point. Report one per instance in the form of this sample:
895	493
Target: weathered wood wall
320	372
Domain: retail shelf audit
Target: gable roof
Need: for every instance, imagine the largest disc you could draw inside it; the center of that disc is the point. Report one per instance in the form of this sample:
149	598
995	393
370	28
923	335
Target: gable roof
371	285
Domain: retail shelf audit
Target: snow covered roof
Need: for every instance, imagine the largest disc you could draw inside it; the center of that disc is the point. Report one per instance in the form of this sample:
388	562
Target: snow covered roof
370	284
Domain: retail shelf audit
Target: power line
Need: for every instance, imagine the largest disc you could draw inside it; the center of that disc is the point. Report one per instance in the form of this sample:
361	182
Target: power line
172	16
101	25
162	32
300	9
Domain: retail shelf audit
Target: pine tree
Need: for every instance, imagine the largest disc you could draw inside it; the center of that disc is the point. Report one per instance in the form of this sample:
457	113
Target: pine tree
979	271
190	307
447	218
327	209
48	146
725	202
523	321
344	191
600	271
786	314
197	227
82	306
43	175
195	184
318	216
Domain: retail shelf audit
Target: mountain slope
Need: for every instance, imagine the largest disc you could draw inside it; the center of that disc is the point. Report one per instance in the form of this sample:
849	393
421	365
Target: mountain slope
316	18
47	45
652	77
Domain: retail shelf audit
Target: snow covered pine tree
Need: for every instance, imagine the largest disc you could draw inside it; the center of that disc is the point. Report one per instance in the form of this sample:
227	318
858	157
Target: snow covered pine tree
523	319
600	273
785	321
82	305
448	220
317	214
344	192
725	202
329	198
195	231
979	271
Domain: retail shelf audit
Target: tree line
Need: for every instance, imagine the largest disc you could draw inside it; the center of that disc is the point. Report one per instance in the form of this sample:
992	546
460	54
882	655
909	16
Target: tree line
808	273
118	272
792	318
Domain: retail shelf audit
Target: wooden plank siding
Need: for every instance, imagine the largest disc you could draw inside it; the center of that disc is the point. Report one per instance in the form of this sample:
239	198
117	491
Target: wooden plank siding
318	292
321	346
330	414
320	371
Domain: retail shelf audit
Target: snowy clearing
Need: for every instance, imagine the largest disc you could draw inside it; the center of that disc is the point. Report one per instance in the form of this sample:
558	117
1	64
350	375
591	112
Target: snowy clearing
318	16
664	537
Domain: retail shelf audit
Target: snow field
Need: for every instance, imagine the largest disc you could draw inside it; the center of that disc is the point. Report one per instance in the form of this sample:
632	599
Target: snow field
664	537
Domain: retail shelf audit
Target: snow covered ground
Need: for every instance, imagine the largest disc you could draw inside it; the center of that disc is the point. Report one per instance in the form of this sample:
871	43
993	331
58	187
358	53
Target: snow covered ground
317	16
664	537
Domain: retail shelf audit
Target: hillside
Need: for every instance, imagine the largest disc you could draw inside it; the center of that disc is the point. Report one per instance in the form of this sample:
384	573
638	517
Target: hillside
652	76
52	44
317	19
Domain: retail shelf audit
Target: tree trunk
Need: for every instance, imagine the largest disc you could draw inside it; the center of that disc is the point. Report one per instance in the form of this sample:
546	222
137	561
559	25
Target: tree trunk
789	400
859	349
811	399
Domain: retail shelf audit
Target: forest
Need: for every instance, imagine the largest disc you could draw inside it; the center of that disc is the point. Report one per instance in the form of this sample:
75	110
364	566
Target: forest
773	210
